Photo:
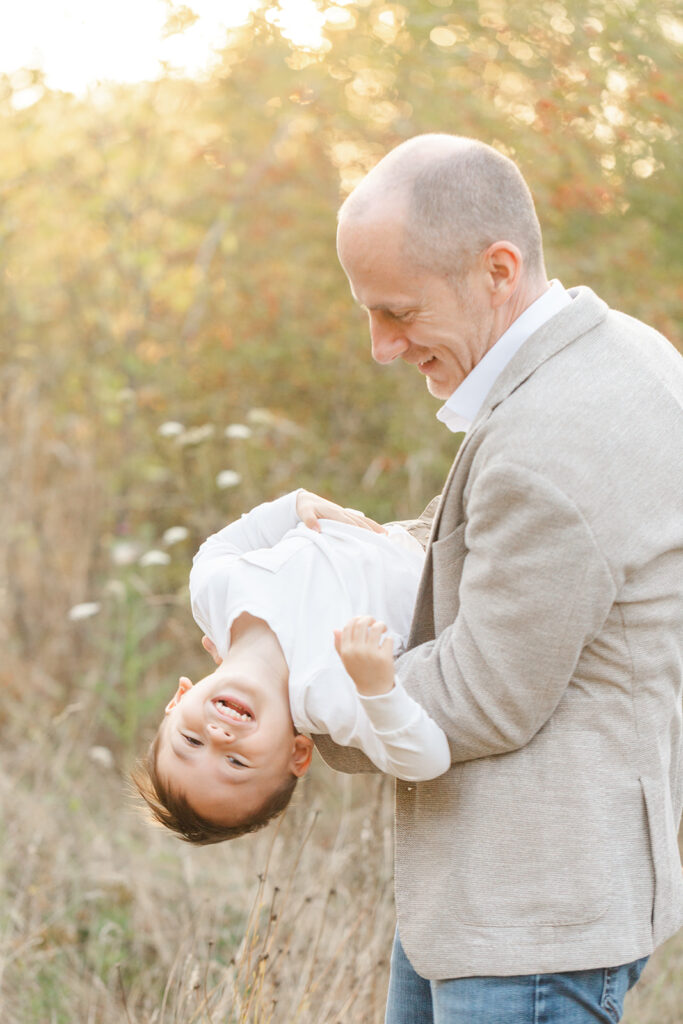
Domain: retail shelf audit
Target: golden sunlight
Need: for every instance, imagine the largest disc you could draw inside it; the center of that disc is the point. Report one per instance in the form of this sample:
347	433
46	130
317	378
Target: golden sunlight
78	43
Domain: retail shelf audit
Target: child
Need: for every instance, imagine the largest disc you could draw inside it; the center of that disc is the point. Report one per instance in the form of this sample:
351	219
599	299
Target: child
269	591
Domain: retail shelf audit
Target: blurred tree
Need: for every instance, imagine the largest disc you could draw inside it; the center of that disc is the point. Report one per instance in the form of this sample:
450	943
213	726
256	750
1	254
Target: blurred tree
167	249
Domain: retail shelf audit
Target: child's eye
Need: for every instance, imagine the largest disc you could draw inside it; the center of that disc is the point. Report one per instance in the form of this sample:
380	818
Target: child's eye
192	740
235	761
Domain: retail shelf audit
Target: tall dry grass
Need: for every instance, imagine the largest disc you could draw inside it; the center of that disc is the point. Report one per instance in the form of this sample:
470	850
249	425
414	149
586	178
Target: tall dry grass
109	920
104	919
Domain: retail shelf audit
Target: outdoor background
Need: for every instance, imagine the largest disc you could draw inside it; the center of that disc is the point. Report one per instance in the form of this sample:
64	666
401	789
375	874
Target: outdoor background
179	343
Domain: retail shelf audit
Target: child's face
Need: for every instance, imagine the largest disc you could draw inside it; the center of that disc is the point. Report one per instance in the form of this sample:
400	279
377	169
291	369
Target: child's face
228	743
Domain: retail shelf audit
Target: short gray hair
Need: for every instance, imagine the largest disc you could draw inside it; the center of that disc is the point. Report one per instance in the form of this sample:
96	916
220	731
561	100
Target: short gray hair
461	196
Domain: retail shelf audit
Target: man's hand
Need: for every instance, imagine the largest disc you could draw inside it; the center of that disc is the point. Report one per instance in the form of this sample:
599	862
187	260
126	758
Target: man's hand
310	508
368	655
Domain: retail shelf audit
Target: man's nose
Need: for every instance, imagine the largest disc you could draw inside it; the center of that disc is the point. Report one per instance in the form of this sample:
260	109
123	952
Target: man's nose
388	340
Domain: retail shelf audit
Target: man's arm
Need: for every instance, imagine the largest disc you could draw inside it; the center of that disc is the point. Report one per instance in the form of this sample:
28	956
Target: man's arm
534	590
349	760
420	528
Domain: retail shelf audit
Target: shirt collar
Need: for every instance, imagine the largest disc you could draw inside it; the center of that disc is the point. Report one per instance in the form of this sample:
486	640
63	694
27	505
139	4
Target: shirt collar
459	410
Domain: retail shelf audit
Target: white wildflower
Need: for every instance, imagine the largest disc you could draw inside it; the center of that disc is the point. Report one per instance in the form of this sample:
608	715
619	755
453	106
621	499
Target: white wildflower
266	418
195	435
124	552
238	431
228	478
171	428
84	611
101	756
154	557
174	535
262	417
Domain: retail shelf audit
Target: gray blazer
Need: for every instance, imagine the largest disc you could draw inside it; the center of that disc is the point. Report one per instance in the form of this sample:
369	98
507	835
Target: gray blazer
547	642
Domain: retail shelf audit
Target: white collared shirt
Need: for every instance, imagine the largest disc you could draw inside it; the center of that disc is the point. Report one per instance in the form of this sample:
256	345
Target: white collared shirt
460	409
305	585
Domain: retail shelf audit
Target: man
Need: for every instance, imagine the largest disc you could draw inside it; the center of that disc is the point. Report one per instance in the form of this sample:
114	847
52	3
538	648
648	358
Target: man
537	875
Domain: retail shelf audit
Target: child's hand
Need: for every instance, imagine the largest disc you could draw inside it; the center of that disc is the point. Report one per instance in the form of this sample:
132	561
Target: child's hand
368	655
310	508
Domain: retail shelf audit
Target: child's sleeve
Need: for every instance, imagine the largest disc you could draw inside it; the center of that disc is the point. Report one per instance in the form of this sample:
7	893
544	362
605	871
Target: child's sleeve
263	527
403	740
393	730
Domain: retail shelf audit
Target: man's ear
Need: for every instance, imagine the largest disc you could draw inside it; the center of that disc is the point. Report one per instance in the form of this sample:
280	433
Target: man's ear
301	755
184	685
503	262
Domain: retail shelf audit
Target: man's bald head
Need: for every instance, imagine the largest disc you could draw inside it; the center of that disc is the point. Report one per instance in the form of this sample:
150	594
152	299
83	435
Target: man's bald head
454	197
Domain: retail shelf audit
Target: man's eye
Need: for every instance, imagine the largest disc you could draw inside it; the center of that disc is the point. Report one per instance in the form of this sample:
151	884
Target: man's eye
192	740
236	761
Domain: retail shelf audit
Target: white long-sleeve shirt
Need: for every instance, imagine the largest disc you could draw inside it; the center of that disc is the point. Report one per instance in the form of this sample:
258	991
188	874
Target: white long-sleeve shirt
304	585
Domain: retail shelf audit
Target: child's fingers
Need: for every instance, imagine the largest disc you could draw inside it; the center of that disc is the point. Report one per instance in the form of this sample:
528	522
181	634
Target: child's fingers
344	638
387	645
360	627
310	519
375	633
360	519
361	631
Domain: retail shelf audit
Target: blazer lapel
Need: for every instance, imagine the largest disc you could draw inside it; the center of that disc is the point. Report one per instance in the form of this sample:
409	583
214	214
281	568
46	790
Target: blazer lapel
583	314
422	626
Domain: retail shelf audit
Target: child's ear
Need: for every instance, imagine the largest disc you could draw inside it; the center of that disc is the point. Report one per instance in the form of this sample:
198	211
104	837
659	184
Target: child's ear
184	685
301	755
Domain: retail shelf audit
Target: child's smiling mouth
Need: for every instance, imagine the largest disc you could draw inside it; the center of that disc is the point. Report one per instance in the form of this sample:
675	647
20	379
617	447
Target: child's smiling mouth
236	711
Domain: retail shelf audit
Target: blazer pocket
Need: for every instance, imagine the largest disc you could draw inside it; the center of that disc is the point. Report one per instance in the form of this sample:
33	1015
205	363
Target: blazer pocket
448	556
663	829
528	842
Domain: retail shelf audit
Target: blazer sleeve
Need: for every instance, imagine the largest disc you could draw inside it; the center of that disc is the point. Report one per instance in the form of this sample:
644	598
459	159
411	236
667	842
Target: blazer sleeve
534	590
349	760
420	528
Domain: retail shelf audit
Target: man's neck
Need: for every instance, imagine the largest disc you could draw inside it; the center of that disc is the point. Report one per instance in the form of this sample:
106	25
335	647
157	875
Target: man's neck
528	292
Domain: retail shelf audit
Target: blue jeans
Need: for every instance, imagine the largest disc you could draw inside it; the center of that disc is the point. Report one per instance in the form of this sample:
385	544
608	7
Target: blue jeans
576	997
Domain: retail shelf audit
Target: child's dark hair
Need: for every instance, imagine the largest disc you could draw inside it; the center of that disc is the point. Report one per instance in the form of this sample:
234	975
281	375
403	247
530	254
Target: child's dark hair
171	808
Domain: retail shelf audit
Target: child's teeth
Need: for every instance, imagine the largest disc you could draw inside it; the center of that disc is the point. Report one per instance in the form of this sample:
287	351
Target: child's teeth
232	712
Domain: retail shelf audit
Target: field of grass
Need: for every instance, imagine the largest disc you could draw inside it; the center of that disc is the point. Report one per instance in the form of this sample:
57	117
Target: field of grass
105	919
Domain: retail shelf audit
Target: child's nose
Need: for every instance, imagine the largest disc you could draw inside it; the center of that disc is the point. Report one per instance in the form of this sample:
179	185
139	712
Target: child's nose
219	734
